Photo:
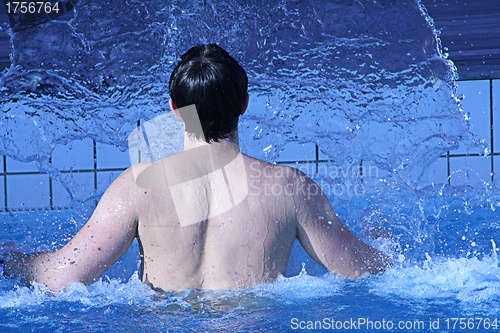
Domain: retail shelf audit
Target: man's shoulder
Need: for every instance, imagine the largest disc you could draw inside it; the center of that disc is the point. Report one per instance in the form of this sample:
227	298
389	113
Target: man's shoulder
277	171
128	179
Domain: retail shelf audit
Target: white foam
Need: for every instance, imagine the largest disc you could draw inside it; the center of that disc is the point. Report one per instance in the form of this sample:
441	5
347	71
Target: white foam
100	293
302	286
471	281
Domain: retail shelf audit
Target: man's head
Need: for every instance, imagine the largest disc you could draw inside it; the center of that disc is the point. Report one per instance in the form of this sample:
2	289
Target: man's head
210	78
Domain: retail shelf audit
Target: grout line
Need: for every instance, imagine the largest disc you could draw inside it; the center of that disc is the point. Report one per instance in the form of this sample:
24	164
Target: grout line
95	164
139	157
317	159
468	155
448	167
19	173
491	131
37	209
51	193
316	162
5	181
477	79
447	156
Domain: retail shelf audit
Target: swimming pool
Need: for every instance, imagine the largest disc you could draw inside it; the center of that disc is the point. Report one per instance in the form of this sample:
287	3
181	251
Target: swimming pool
377	95
456	280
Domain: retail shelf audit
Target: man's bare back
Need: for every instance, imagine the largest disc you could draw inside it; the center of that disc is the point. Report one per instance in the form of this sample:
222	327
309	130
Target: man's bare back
247	244
209	217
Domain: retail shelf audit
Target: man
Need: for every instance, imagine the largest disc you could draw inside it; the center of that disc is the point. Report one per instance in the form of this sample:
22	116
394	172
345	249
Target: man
209	217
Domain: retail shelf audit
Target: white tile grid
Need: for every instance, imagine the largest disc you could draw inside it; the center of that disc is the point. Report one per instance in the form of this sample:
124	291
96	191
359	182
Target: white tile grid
372	177
476	103
295	151
496	115
79	154
440	173
84	182
2	185
472	170
322	156
496	168
16	166
28	192
308	168
330	170
105	178
110	157
2	192
338	181
76	155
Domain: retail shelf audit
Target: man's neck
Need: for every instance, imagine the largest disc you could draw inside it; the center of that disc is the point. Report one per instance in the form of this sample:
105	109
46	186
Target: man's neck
231	142
211	156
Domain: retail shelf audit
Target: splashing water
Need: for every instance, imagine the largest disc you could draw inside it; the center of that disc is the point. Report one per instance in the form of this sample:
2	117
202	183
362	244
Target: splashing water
363	80
323	76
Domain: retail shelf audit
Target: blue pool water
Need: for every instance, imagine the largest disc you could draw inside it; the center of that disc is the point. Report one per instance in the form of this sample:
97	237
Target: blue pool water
457	280
364	81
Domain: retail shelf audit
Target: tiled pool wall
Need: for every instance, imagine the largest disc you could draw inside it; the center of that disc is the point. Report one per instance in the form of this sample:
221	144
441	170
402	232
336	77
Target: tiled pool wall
93	166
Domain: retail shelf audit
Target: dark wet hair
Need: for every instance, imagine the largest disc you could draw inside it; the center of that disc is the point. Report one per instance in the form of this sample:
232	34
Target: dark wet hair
210	78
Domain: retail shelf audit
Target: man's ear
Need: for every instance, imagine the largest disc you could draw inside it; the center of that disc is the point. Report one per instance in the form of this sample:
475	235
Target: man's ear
174	108
245	105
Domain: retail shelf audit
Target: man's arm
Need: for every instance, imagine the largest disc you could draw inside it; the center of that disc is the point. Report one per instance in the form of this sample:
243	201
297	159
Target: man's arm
96	247
328	241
